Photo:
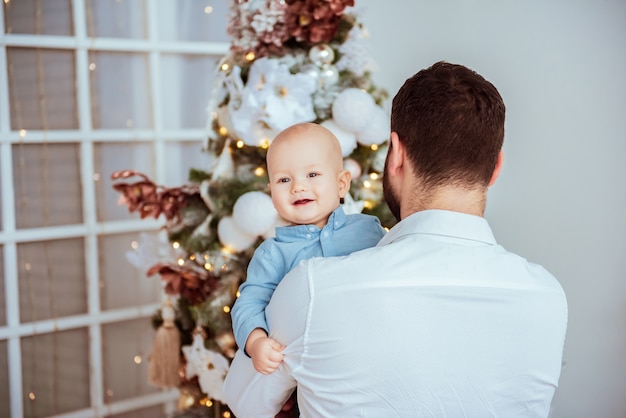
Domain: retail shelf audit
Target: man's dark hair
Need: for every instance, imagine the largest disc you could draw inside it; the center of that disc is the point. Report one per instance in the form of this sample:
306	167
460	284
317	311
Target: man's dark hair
451	121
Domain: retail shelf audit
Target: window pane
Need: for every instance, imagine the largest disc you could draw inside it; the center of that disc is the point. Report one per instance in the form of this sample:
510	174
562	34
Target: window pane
50	17
120	91
114	156
47	185
116	19
123	285
55	372
3	318
4	380
42	89
193	20
187	81
51	279
151	412
1	206
125	350
184	156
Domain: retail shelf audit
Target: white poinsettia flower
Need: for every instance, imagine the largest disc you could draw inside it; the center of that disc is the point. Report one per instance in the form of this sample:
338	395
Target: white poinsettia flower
272	100
248	119
292	102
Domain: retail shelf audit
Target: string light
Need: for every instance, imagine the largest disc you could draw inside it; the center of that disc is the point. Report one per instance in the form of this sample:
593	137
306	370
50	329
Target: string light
31	395
259	172
265	143
374	147
137	359
374	176
367	184
208	10
237	294
225	67
226	309
240	144
192	257
96	177
250	56
92	66
180	262
208	266
188	401
134	245
175	245
226	414
22	133
368	204
223	131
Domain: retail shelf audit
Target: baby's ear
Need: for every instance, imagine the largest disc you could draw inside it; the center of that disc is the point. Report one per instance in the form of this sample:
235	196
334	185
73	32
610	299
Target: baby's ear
344	182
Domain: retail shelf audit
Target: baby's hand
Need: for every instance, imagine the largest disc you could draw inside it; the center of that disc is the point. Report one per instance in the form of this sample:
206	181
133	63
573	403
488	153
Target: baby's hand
266	354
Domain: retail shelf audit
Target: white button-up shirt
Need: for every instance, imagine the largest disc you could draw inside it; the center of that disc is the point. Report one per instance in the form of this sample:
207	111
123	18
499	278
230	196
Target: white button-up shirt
436	321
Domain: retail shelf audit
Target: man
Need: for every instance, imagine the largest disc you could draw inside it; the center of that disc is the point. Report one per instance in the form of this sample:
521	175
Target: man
437	320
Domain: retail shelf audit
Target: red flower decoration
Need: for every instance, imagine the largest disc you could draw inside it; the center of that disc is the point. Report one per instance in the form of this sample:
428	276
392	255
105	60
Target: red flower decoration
149	199
193	284
314	21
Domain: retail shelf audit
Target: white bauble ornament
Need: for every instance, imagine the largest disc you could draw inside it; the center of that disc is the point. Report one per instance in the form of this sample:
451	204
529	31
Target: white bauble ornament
311	71
232	237
377	130
272	231
347	140
254	213
353	167
352	109
321	54
328	76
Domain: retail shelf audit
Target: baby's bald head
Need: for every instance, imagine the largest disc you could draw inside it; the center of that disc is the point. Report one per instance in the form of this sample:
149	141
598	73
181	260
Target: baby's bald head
304	135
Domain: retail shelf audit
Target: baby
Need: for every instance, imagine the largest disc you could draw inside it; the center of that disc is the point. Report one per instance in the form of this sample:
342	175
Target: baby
307	183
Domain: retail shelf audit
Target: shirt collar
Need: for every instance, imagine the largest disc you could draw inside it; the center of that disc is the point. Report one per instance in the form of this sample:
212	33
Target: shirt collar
294	232
443	223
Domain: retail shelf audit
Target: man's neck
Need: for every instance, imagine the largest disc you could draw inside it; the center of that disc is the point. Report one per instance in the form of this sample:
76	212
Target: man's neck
455	199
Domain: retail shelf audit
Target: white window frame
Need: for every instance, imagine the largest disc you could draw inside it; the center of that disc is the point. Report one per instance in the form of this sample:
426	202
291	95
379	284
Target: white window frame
90	229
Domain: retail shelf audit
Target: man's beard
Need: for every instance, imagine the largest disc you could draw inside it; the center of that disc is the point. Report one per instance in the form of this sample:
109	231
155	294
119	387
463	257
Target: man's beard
391	197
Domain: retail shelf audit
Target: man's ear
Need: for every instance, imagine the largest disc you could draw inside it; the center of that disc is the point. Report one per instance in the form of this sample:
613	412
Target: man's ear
497	169
395	155
344	183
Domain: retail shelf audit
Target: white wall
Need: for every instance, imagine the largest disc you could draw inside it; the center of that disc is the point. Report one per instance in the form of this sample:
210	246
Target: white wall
561	200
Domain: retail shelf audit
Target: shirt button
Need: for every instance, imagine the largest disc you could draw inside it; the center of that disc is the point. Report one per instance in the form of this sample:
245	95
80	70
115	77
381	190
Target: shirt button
325	233
336	224
308	235
311	228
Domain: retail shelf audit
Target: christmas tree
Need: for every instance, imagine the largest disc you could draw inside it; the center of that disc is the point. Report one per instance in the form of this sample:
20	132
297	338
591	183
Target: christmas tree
290	61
